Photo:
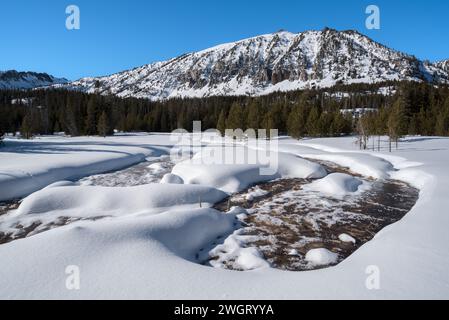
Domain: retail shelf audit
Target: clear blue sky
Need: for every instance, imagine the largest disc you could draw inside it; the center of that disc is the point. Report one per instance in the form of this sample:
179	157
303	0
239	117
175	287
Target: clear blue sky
116	35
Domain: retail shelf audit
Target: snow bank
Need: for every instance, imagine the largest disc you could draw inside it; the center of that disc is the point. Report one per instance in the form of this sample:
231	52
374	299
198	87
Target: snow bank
208	168
150	256
118	257
95	201
27	166
336	185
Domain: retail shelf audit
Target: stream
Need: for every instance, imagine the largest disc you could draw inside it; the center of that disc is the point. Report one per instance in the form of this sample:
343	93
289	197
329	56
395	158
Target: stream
282	219
150	171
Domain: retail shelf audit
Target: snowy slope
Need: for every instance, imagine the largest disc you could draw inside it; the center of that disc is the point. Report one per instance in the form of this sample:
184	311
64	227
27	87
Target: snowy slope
27	80
150	256
46	160
260	65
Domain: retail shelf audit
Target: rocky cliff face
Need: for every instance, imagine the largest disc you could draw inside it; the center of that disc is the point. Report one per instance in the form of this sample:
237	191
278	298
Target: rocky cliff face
260	65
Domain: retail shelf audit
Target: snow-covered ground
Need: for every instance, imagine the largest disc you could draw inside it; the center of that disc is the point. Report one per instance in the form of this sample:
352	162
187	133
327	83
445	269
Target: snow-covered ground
143	241
27	166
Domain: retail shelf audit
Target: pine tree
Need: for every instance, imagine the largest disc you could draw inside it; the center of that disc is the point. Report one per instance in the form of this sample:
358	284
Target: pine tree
397	122
3	125
91	120
442	124
269	123
103	124
253	119
340	124
312	124
26	129
235	118
221	125
296	123
70	116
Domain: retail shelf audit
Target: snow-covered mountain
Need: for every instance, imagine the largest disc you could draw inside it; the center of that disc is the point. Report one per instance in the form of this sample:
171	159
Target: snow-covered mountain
260	65
13	79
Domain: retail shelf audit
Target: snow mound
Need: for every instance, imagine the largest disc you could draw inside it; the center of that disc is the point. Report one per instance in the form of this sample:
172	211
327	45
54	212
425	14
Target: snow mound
336	184
232	250
136	250
63	183
208	168
256	193
364	164
170	178
321	257
94	201
346	238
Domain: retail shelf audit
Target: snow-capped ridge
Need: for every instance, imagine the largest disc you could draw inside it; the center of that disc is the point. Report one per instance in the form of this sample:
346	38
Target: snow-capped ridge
259	65
13	79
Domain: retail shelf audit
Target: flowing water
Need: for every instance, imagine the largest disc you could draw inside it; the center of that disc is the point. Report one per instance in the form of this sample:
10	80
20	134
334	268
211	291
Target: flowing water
143	173
284	221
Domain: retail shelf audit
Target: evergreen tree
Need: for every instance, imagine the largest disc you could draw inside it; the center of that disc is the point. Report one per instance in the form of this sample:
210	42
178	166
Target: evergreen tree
91	120
269	123
71	118
397	122
253	120
296	123
340	124
26	129
442	124
103	124
312	124
235	118
3	126
221	125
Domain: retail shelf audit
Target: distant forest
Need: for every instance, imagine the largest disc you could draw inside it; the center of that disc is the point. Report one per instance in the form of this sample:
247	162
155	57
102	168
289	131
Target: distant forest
414	108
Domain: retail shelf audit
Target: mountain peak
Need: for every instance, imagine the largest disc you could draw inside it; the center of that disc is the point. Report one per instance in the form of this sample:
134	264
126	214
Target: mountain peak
267	63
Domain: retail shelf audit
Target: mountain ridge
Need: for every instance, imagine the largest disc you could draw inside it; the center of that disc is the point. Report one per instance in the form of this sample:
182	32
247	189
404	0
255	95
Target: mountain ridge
12	79
279	61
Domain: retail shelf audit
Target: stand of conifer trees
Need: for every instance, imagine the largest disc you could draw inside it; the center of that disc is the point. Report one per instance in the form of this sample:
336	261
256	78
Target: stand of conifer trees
412	108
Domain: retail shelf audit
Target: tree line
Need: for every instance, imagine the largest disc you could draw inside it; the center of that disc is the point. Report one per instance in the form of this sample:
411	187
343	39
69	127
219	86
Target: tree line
412	108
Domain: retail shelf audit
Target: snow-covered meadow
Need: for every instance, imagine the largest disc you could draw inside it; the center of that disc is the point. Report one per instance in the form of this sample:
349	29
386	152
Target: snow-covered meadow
143	240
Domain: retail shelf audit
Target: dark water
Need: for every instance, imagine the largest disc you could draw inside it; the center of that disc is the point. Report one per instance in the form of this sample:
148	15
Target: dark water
289	218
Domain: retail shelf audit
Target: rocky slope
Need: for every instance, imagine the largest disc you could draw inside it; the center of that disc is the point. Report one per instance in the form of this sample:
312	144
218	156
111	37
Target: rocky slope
260	65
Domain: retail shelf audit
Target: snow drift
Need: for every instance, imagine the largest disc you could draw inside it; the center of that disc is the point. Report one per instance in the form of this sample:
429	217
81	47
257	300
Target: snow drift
209	168
336	185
